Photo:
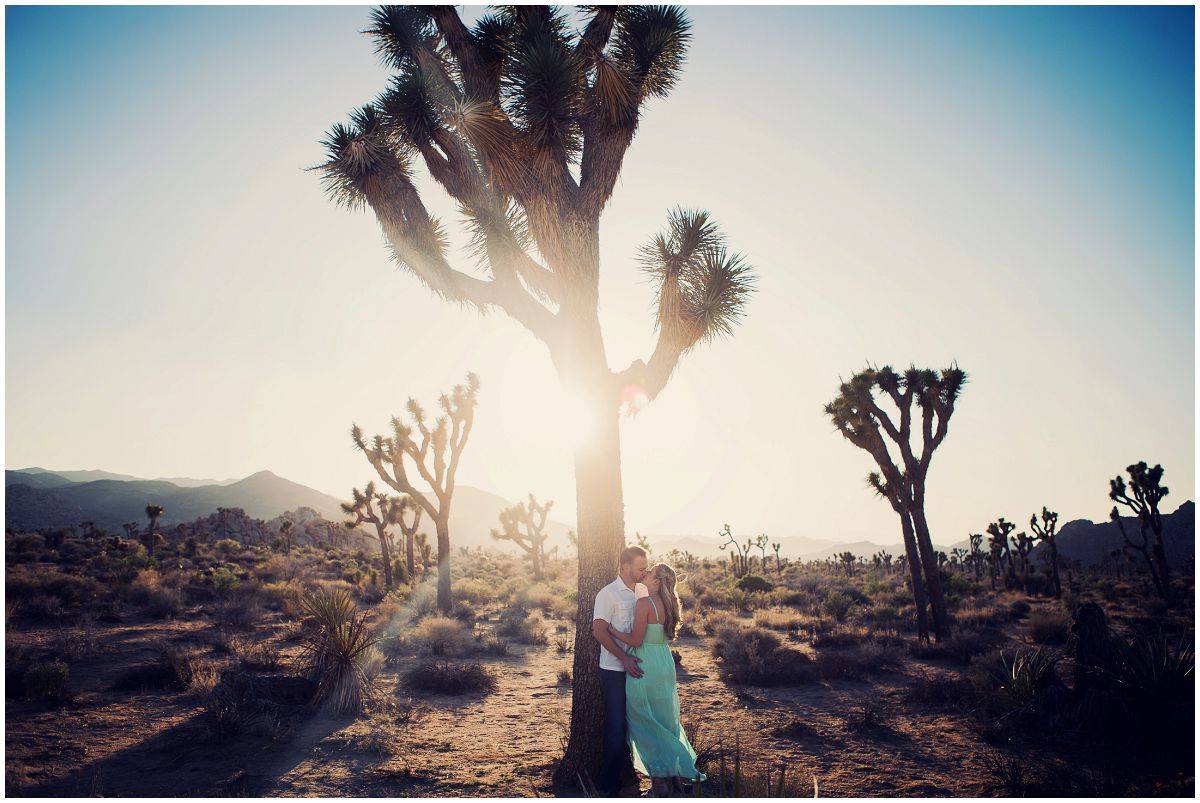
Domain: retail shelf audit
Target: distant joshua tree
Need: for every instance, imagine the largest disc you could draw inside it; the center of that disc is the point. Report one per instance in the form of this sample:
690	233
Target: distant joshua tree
976	555
1145	484
1001	553
285	534
641	540
525	123
1045	533
778	562
435	454
847	560
153	512
762	542
525	525
738	559
858	415
424	550
383	512
1024	545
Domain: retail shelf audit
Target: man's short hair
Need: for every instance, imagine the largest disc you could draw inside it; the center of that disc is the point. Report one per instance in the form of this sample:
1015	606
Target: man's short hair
629	553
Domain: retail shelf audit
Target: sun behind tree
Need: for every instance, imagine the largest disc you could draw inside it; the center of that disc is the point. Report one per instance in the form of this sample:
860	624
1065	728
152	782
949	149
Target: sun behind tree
525	122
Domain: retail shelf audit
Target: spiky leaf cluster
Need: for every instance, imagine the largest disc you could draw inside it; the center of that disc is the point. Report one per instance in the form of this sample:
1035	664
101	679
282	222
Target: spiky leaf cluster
701	288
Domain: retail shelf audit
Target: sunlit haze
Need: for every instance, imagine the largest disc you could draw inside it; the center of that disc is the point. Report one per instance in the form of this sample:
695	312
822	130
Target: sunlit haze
1010	188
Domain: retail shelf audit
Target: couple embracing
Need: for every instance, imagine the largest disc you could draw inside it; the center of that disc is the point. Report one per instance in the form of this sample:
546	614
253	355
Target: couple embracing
635	620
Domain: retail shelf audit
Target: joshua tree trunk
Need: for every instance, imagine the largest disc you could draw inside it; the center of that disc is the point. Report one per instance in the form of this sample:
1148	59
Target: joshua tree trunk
933	579
386	552
409	556
601	528
914	570
1054	569
442	525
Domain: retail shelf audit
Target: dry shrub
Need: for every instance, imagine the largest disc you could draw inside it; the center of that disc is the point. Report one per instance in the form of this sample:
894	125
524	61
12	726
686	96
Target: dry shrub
755	657
283	596
1049	627
47	681
450	677
441	636
779	619
476	592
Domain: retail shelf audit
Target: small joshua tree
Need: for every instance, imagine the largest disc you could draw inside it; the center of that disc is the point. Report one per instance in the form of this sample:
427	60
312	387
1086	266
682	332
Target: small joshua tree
778	562
424	550
285	534
1145	485
1045	532
153	512
435	453
409	531
976	556
524	524
1001	553
859	415
1024	545
847	560
958	557
383	512
737	558
762	542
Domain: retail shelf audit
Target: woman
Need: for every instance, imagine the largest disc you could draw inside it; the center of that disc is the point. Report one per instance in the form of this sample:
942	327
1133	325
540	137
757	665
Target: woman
660	747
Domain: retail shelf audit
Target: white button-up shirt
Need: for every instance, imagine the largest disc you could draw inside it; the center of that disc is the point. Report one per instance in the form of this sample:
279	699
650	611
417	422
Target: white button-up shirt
615	604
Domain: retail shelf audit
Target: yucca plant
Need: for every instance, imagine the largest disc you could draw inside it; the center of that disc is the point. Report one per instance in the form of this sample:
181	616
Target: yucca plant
1153	673
524	120
1024	673
339	655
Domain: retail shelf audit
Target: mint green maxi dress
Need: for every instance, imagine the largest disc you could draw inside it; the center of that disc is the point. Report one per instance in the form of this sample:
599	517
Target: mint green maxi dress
660	747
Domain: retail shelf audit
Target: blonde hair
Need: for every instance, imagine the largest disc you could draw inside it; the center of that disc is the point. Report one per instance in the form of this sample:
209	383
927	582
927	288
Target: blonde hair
674	610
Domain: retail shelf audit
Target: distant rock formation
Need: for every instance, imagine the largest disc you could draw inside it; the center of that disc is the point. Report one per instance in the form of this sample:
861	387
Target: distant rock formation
1091	542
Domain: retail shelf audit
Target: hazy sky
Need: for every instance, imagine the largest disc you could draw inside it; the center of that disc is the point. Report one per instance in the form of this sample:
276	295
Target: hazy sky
1011	188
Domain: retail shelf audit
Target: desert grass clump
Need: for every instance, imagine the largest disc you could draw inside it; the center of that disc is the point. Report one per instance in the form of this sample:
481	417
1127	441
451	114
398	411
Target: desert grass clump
340	656
1049	627
752	656
526	628
441	636
47	681
172	669
450	677
779	619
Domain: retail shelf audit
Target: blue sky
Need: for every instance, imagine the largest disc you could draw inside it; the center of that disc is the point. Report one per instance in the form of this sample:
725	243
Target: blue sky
1007	187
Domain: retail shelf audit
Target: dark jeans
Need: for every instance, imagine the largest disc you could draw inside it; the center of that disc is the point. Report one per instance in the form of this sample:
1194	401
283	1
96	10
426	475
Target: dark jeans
612	687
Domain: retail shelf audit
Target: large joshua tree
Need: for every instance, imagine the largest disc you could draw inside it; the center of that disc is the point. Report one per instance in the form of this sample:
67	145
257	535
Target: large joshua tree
435	453
1145	485
525	123
858	413
525	525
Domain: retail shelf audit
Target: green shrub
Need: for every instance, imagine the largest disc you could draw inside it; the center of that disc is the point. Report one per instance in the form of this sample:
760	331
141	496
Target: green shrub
754	584
837	605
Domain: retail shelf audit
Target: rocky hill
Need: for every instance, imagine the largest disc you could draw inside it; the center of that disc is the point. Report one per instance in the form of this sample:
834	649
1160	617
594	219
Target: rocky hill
37	499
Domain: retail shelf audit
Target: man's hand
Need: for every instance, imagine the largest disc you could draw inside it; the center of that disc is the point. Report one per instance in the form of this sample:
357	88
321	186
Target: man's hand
630	662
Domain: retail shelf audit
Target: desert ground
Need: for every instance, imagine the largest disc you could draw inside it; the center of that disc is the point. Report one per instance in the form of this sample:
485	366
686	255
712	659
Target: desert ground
186	672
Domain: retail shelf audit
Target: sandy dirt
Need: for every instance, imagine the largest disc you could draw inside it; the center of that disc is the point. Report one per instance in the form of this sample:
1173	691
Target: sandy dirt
504	743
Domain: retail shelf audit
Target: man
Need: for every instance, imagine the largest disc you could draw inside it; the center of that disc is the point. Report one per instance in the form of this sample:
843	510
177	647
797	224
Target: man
614	606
